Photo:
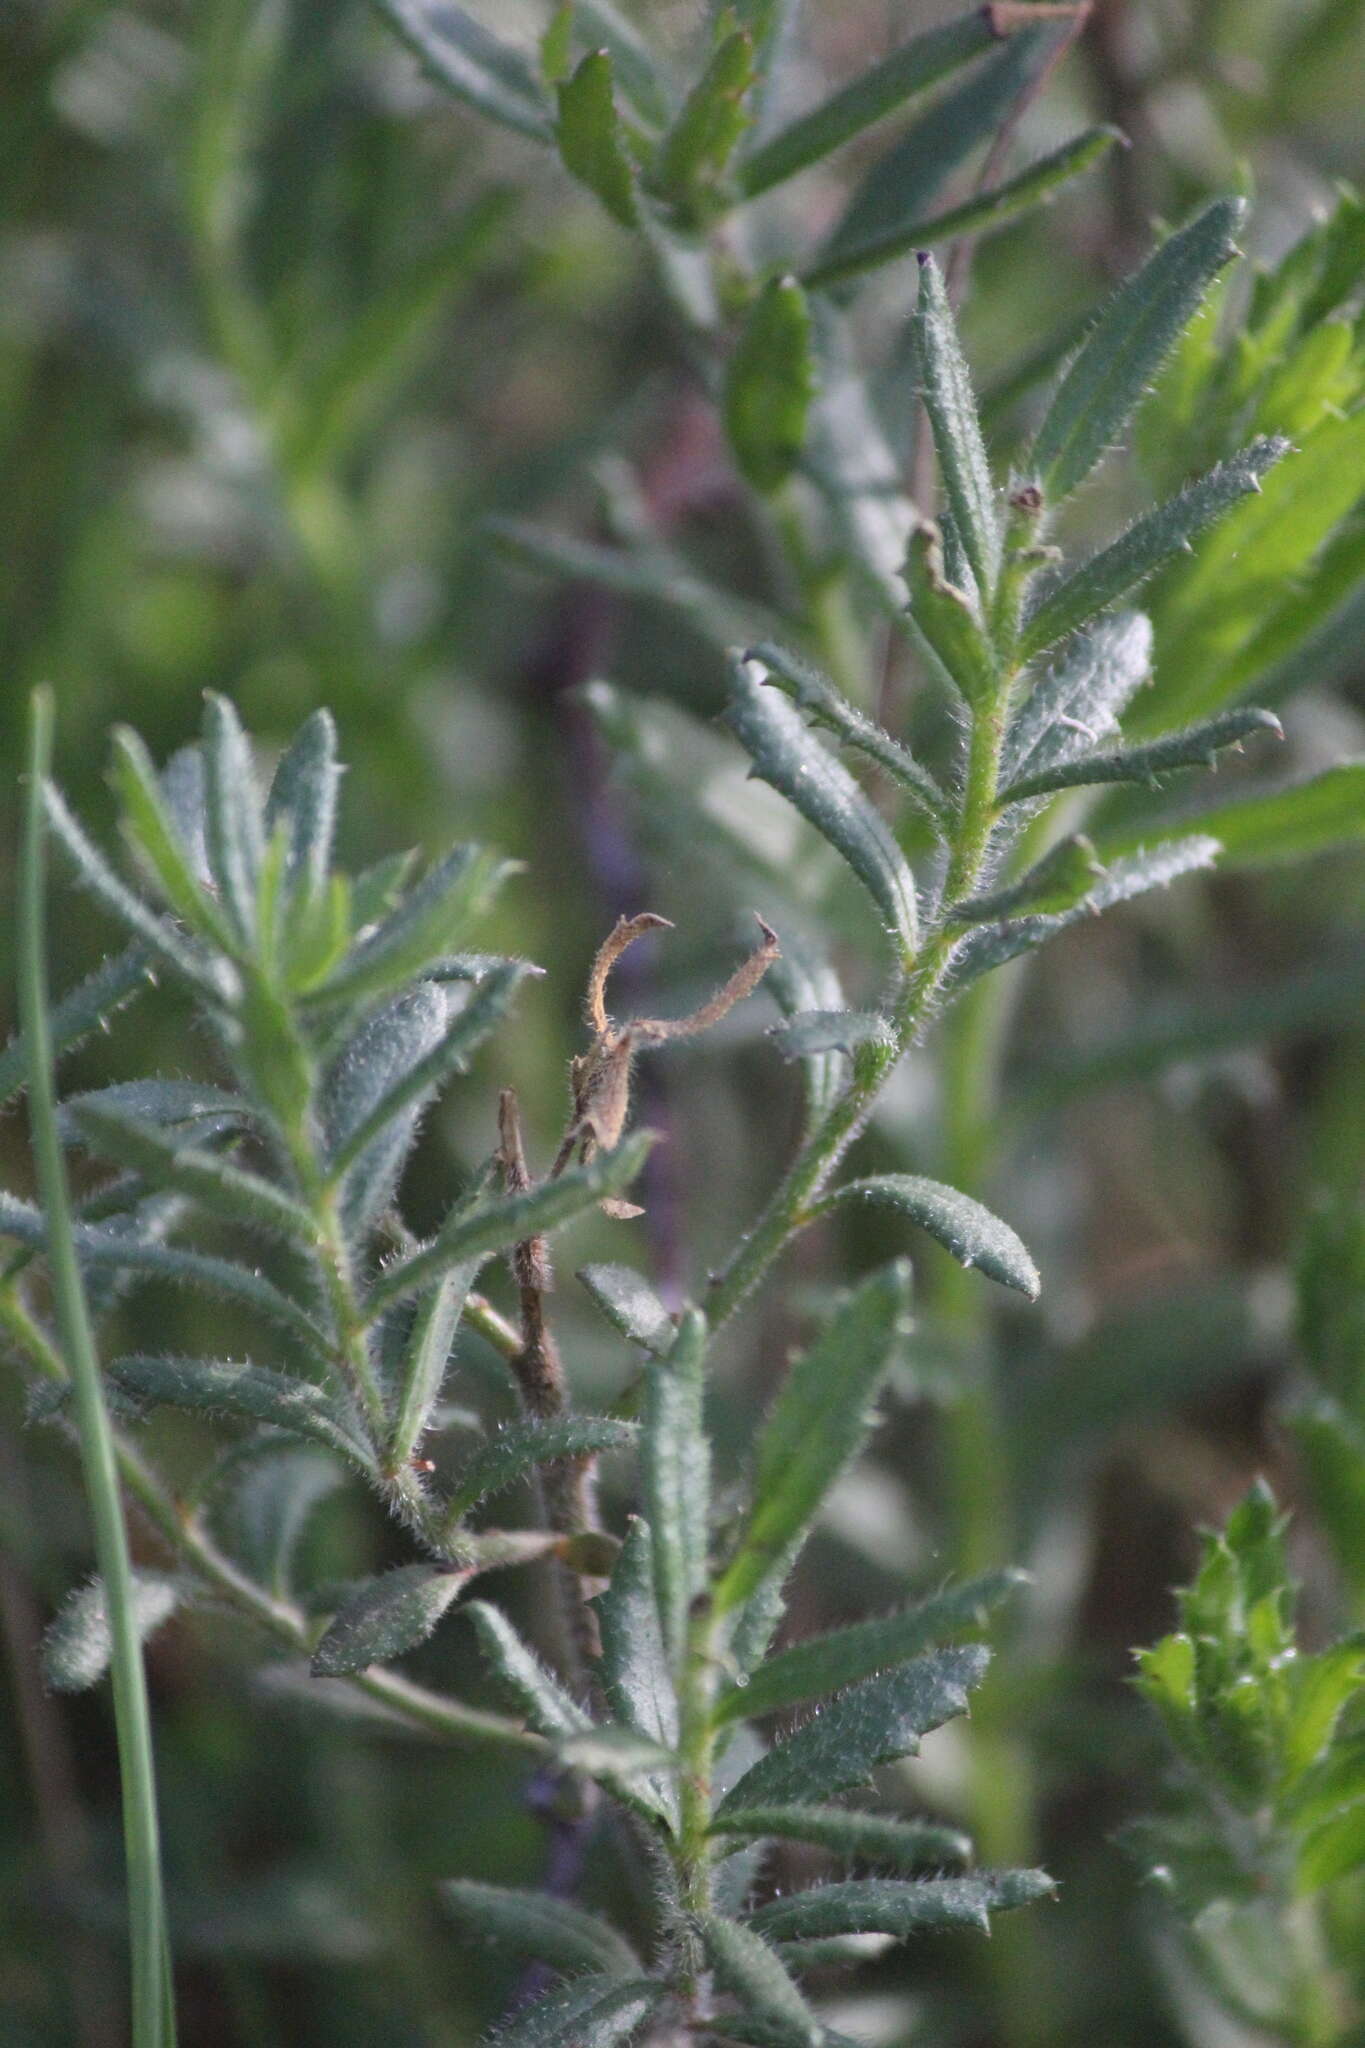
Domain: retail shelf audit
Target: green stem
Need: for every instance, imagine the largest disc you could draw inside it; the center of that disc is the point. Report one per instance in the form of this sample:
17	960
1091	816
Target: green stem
696	1749
153	2012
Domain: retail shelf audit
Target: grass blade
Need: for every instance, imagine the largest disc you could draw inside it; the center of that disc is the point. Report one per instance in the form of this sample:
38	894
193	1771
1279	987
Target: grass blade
153	2014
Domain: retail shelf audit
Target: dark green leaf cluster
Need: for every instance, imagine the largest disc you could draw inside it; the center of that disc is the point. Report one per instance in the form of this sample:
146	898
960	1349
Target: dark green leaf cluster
1267	1819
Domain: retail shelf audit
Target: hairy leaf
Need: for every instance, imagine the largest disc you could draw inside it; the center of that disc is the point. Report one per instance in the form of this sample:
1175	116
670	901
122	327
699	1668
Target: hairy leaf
385	1616
675	1462
825	1664
817	1031
76	1645
461	55
756	1975
1198	746
233	827
534	1924
592	141
962	1226
1128	343
221	1187
871	1837
587	2012
817	1425
429	923
870	1724
150	825
522	1676
634	1669
1079	702
944	620
1067	872
794	762
303	795
881	1906
426	1355
947	392
631	1306
84	1009
253	1393
520	1448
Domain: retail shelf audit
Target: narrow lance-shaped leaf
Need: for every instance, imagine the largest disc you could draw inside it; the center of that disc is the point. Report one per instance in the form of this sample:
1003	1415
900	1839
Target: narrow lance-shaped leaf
461	55
769	385
634	1669
631	1306
523	1677
1133	875
675	1461
1168	530
1127	345
818	1423
150	826
76	1645
372	1069
643	78
303	794
252	1393
944	621
157	934
758	1978
871	1837
914	67
521	1448
825	705
385	1616
592	141
425	1357
552	1930
712	119
233	828
429	923
873	1723
786	755
217	1184
881	1906
947	392
493	1226
1197	747
82	1010
964	1227
1066	873
853	253
811	1032
585	2012
825	1664
1079	703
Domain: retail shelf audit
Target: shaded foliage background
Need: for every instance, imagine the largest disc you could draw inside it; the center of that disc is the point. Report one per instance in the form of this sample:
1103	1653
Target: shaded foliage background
279	330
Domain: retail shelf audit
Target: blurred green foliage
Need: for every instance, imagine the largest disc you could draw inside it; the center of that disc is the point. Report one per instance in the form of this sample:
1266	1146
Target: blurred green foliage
282	328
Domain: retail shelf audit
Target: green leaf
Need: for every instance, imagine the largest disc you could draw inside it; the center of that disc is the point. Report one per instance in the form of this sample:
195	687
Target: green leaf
216	1184
494	1226
1159	535
82	1010
233	825
592	141
1334	1849
872	1723
945	387
825	705
1292	823
151	828
758	1978
206	977
697	148
1320	1690
426	1356
676	1479
1066	873
634	1671
631	1306
428	925
533	1924
1127	345
523	1677
811	1032
588	2012
274	1492
879	1906
962	1226
1198	746
901	228
870	1837
639	73
911	69
385	1616
795	763
303	797
825	1664
367	1149
1079	703
943	620
76	1645
769	385
251	1393
1134	875
817	1425
474	66
522	1447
